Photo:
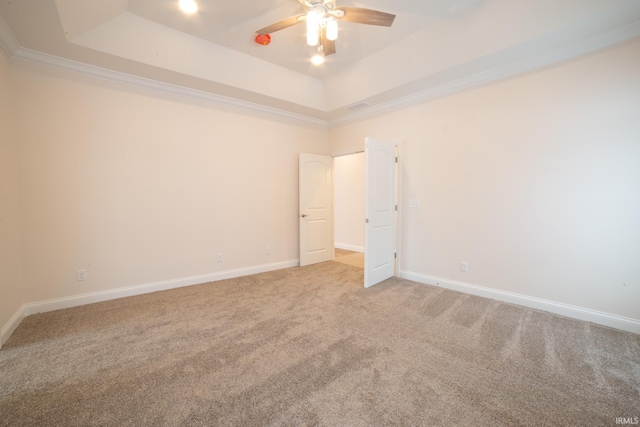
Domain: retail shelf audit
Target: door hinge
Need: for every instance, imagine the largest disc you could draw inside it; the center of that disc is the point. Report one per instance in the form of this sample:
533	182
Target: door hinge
396	159
395	255
396	208
366	221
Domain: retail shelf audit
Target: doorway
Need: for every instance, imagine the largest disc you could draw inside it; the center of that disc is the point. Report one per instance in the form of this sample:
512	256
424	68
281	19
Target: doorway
349	183
316	210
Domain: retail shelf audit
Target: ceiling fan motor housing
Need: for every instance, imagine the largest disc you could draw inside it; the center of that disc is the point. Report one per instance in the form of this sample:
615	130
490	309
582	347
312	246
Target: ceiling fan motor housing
322	28
324	8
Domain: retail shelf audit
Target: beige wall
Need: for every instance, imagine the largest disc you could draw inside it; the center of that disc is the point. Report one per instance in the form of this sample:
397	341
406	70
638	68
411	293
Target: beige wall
139	187
11	296
534	181
349	201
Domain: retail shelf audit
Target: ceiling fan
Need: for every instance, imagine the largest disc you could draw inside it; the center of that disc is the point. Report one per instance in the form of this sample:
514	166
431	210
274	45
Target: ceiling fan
322	27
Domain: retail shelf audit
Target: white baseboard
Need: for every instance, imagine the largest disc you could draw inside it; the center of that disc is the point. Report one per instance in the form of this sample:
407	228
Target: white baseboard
588	315
348	247
611	320
93	297
11	326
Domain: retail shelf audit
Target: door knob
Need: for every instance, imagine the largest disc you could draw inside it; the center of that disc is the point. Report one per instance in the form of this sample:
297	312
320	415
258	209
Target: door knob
304	215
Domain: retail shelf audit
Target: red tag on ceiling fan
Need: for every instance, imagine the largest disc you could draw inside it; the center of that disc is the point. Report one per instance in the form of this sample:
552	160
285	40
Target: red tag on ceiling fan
263	39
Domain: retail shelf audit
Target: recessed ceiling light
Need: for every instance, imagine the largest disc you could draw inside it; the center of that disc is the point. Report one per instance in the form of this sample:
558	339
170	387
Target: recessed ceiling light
317	59
188	6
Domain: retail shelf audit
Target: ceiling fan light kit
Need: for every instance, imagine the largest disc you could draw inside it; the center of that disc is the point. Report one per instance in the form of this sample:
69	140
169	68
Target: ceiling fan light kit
332	29
317	59
188	6
322	17
313	28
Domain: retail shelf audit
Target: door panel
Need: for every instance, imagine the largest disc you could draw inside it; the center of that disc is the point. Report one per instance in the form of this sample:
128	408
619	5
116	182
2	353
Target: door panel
316	210
380	203
316	235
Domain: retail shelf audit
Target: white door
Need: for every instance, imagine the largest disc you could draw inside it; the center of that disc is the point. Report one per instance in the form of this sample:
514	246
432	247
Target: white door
316	211
380	211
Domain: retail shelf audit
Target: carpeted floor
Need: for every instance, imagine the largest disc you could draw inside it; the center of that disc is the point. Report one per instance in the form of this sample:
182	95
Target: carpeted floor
311	346
355	259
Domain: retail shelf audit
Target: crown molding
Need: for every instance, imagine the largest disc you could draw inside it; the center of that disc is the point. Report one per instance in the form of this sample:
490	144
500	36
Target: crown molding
610	38
592	44
13	49
7	40
129	79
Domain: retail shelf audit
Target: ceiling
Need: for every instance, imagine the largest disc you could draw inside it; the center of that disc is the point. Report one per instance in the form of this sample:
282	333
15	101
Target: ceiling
434	47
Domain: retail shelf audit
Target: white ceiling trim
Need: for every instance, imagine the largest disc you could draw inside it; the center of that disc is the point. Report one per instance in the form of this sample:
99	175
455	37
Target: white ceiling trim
621	34
9	43
118	77
137	39
7	39
601	41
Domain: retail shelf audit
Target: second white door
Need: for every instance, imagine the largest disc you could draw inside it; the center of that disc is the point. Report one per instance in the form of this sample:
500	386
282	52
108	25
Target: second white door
316	209
380	211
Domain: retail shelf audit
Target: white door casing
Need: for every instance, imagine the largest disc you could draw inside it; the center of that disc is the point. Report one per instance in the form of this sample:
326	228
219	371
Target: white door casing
316	209
380	211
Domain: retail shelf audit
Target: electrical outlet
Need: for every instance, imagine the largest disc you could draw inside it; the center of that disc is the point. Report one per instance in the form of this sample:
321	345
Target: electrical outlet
464	266
267	250
81	275
219	258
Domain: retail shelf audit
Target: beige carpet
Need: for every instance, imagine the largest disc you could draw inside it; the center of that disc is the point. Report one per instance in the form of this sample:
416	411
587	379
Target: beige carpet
355	259
311	346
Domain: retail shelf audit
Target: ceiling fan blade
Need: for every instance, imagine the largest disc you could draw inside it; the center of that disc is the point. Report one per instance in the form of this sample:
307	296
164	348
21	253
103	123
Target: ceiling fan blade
367	16
328	46
285	23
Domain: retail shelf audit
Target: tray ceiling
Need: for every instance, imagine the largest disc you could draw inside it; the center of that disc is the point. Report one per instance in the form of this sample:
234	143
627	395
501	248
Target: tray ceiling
434	46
